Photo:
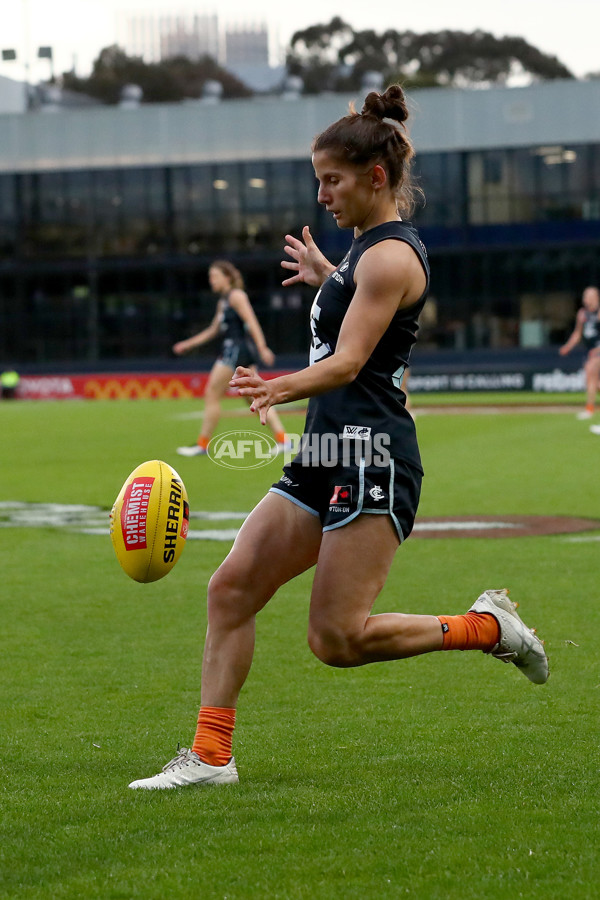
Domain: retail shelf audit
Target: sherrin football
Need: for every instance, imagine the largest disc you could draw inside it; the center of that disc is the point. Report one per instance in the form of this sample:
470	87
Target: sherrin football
149	521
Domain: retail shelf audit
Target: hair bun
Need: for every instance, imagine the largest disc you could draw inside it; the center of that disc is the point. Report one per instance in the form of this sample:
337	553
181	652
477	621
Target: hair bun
389	105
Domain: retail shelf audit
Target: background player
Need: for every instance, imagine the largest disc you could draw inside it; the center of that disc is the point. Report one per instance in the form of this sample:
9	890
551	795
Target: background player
333	508
587	330
243	339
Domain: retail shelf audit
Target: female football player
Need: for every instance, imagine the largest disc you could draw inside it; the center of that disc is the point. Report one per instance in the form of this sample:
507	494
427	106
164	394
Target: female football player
242	340
348	499
587	330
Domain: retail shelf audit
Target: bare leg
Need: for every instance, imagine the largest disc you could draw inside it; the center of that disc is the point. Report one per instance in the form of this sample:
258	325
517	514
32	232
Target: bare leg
274	422
278	541
592	375
220	376
353	565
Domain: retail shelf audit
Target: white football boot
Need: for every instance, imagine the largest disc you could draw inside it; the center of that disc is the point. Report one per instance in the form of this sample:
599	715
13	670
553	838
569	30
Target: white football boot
196	450
187	768
518	644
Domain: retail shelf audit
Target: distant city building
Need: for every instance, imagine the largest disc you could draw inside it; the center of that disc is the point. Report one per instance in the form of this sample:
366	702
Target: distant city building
159	36
156	37
194	37
139	35
247	46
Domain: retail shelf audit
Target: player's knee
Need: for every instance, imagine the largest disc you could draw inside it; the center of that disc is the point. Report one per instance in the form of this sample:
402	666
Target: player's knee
225	592
236	595
334	646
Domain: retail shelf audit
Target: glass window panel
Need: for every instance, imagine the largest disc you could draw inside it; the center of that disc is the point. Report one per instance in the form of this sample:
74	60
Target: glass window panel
493	167
8	202
439	176
51	197
143	212
255	187
201	189
226	185
106	195
181	178
594	152
107	202
286	180
578	170
524	173
428	172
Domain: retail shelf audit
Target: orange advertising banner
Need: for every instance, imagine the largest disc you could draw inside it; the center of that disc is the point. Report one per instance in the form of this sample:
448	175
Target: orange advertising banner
113	386
117	386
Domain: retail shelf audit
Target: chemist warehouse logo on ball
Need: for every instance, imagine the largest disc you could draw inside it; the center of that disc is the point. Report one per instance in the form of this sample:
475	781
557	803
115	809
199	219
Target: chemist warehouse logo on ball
134	512
242	449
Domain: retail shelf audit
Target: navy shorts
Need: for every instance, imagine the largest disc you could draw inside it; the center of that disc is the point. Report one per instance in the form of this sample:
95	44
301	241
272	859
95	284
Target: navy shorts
340	493
237	353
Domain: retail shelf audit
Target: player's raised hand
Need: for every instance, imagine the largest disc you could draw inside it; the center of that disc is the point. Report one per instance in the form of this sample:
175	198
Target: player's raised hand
250	384
307	261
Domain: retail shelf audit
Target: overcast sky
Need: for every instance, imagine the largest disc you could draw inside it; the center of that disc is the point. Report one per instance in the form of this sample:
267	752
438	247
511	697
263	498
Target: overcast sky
78	29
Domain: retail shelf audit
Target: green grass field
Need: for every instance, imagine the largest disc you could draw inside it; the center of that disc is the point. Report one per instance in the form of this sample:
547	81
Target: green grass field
446	776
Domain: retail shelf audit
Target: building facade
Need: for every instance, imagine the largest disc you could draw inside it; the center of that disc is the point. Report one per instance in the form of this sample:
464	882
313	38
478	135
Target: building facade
109	218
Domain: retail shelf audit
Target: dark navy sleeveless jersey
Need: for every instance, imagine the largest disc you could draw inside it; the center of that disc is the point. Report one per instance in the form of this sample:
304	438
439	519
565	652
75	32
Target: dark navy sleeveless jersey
591	329
231	325
374	402
237	347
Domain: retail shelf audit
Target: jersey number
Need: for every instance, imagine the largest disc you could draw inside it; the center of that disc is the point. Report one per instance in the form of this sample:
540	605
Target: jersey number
398	376
318	348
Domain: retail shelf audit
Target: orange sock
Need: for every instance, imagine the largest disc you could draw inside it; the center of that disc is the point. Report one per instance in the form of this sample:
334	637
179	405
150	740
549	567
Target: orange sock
473	631
214	734
589	407
203	442
280	437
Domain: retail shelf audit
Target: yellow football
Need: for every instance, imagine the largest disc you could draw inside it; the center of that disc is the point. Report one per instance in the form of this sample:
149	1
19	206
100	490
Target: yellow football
149	521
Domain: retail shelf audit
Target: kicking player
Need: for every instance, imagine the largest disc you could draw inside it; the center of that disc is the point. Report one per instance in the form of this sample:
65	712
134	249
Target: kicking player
348	499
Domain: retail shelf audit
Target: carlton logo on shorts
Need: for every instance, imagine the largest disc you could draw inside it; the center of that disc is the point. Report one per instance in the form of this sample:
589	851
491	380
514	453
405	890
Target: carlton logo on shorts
377	493
341	499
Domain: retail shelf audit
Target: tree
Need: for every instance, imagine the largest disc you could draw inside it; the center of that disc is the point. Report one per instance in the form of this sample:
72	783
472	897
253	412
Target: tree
315	55
335	57
170	80
480	58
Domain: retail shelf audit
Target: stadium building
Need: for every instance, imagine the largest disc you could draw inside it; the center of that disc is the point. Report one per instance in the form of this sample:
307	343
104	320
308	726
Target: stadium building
110	217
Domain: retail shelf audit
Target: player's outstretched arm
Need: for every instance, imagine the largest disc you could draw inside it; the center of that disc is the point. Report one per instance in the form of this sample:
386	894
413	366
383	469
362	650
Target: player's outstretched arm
307	262
575	337
208	334
240	301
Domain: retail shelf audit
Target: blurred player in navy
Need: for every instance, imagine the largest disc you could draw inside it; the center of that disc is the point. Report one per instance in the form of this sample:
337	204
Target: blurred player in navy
346	502
243	342
587	331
